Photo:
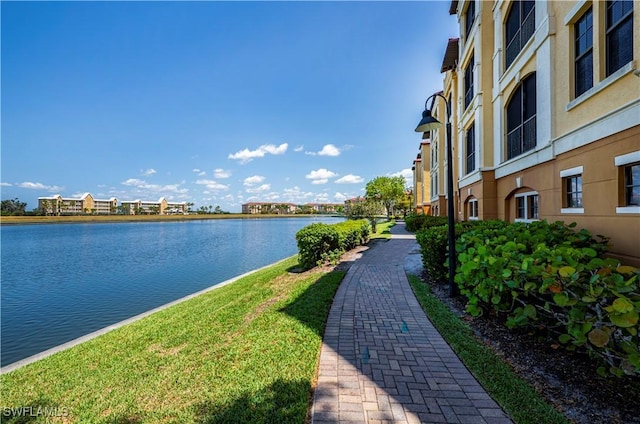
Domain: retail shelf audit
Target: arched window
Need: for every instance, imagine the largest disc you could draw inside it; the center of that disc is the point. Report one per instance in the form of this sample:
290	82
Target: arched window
518	28
521	118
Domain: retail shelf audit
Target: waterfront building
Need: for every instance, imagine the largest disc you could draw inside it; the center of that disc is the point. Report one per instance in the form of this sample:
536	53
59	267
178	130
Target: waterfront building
149	207
545	101
56	205
87	204
290	208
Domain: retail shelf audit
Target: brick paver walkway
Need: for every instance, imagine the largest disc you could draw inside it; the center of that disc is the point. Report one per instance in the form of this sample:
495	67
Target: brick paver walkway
382	361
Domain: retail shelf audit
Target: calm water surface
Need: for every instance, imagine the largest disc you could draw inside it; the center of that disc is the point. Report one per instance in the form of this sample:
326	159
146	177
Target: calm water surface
62	281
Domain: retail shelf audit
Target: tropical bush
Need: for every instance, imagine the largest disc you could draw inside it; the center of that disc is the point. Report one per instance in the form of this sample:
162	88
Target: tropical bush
556	281
320	243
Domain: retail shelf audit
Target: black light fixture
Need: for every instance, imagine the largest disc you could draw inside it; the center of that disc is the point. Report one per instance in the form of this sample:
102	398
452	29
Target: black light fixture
429	123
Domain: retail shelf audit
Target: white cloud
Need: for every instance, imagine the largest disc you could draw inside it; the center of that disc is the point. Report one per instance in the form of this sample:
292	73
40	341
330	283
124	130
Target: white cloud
298	149
320	174
320	181
199	172
329	150
39	186
148	172
350	179
339	197
145	188
221	173
259	189
407	172
256	179
294	194
212	185
134	182
246	155
5	184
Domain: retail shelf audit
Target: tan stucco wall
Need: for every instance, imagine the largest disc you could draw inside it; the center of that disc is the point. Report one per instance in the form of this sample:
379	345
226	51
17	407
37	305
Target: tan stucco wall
485	192
601	187
619	93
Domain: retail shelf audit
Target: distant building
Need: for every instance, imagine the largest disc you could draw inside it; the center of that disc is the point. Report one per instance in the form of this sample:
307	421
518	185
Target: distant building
57	205
256	208
149	207
87	204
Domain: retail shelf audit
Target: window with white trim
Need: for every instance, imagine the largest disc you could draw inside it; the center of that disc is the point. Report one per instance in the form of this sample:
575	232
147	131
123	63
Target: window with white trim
632	184
469	17
468	83
573	191
470	150
519	27
629	182
521	118
619	31
527	207
583	69
473	209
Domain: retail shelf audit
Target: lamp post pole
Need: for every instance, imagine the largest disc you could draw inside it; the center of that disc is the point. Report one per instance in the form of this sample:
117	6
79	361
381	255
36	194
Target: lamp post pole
429	123
450	207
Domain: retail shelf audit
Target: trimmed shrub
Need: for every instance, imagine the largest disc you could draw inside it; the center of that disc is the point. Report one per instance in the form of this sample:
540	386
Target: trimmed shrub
323	243
417	222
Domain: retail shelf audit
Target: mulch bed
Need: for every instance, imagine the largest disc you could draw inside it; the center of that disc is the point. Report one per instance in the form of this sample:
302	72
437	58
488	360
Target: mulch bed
567	380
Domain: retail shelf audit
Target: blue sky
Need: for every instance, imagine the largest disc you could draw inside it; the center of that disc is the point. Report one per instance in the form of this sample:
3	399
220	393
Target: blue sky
215	103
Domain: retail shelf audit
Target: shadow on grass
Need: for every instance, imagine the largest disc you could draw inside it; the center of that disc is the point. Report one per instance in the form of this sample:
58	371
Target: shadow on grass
280	402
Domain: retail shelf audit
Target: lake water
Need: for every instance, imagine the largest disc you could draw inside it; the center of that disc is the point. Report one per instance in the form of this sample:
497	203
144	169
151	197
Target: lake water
62	281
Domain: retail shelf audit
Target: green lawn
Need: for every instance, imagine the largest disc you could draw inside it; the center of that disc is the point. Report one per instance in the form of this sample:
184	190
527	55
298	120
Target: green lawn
383	230
246	352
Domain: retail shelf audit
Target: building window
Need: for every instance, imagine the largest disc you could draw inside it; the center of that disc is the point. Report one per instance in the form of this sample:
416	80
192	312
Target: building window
471	149
527	207
584	53
473	209
619	34
573	191
469	17
632	184
468	83
519	27
521	118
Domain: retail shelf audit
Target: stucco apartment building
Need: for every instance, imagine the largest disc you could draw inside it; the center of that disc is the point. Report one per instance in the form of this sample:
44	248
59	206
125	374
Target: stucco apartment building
56	205
545	109
289	208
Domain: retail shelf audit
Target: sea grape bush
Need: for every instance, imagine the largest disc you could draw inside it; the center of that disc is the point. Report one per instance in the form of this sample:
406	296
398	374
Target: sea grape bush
434	245
320	243
555	280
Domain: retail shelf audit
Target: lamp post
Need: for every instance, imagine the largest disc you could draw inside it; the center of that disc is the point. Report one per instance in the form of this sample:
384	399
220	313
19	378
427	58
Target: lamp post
429	123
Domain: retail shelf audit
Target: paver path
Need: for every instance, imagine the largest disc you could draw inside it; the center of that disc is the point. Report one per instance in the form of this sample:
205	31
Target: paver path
382	361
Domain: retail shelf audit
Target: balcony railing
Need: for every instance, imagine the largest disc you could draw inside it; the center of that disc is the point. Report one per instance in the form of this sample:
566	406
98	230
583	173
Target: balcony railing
522	139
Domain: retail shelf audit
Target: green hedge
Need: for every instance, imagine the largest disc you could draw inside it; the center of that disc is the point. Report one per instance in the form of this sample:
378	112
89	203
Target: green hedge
417	222
322	243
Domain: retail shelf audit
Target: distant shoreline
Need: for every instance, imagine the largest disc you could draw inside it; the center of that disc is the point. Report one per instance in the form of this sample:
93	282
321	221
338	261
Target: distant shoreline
84	219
